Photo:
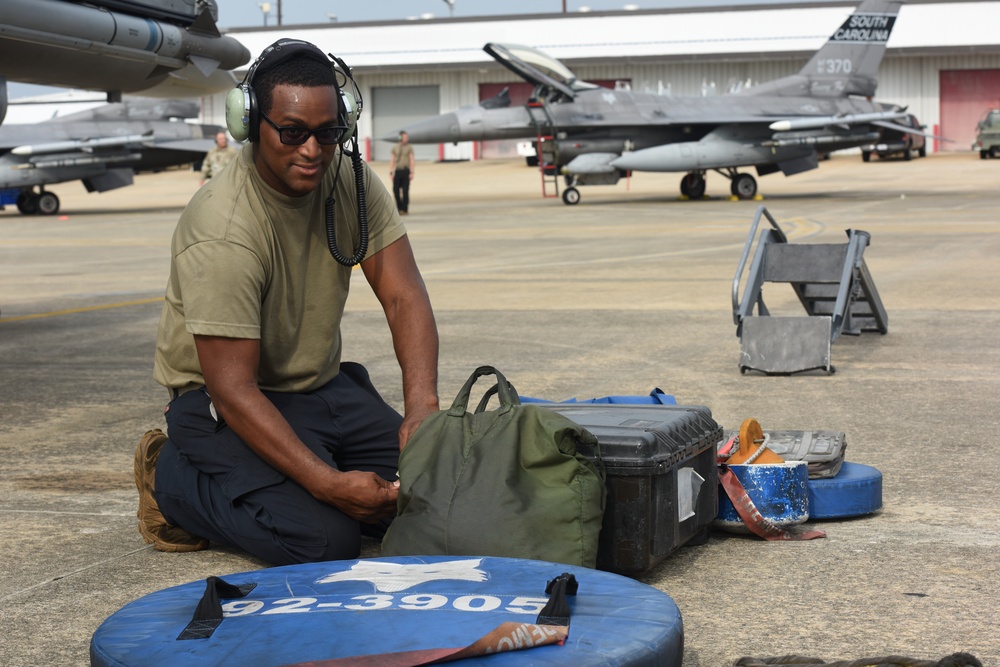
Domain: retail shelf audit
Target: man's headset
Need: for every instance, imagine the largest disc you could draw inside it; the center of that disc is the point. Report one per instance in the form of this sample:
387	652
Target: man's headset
243	114
243	120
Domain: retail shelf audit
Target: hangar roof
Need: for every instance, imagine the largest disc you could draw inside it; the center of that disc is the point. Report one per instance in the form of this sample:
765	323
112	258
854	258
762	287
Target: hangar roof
735	32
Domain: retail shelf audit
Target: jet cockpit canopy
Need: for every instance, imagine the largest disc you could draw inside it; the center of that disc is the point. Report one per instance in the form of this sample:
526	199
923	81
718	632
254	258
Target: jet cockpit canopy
538	68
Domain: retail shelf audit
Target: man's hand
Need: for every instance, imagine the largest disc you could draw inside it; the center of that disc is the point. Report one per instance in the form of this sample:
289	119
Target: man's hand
411	421
363	496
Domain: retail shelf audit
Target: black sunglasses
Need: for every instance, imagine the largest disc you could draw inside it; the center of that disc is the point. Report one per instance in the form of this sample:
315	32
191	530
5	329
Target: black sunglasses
296	136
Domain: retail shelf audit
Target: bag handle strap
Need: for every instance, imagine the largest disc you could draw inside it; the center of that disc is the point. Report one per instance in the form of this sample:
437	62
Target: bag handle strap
208	613
556	610
491	392
508	396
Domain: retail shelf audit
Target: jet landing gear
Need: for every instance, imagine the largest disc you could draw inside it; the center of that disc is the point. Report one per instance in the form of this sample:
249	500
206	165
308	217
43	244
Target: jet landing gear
693	185
41	203
571	193
743	186
571	196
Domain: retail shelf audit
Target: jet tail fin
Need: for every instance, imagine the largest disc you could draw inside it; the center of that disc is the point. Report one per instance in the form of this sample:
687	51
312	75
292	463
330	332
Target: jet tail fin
848	63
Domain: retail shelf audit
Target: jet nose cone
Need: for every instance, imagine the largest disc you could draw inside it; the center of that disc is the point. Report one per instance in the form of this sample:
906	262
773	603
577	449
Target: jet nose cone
434	130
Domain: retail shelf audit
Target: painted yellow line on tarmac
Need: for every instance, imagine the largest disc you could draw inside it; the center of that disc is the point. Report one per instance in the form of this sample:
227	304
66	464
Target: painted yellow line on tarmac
86	309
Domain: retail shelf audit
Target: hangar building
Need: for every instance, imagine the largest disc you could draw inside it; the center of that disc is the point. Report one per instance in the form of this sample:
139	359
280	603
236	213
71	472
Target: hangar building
942	60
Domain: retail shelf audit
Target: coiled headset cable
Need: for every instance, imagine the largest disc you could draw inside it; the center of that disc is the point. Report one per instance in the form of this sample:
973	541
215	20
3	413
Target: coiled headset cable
331	209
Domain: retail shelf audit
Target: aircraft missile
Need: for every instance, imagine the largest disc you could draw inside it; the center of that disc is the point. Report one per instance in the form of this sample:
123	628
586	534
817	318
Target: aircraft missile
63	43
819	140
76	160
81	144
826	121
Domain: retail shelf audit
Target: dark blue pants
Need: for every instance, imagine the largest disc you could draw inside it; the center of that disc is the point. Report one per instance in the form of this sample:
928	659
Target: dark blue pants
210	483
401	188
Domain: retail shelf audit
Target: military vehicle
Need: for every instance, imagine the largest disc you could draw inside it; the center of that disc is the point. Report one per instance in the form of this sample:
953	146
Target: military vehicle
988	135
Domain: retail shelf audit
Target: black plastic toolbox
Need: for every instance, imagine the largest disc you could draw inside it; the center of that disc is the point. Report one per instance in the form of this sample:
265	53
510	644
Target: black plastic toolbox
662	479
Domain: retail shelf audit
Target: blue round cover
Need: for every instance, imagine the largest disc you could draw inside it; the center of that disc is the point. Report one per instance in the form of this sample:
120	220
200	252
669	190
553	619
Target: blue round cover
855	491
338	609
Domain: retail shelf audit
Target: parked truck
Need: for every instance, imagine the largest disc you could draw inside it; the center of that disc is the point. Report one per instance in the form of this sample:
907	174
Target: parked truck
988	135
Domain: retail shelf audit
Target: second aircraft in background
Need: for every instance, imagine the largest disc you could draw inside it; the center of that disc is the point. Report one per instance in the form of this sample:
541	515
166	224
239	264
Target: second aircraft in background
595	135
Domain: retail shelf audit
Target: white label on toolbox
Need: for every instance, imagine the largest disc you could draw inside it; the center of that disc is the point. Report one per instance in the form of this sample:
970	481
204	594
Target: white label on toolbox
688	487
419	601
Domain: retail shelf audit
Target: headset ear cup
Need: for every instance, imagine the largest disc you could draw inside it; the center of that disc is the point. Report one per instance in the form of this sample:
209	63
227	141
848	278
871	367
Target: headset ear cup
350	113
238	112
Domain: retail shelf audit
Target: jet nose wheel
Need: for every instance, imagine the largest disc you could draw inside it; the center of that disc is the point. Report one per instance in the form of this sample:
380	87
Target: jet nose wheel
693	185
571	196
744	186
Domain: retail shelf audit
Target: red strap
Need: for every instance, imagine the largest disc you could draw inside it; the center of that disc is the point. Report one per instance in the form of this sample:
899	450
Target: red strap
505	637
753	519
726	450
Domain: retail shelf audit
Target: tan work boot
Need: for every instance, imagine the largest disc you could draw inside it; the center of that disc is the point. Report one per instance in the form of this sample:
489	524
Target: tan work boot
152	526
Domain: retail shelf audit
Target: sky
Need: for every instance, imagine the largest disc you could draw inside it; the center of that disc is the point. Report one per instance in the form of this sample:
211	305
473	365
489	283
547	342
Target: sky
248	13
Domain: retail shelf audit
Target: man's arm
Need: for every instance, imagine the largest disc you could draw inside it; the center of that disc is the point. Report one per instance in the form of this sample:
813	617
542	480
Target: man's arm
392	163
413	164
395	279
229	366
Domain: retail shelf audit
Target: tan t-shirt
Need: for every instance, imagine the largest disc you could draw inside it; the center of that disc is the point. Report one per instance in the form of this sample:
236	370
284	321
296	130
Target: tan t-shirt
402	152
249	262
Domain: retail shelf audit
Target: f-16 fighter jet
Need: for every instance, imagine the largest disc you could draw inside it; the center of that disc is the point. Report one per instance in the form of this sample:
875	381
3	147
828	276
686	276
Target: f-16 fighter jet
599	135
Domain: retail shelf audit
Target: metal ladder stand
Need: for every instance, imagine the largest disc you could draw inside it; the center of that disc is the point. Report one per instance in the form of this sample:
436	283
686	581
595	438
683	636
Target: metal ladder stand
831	281
545	145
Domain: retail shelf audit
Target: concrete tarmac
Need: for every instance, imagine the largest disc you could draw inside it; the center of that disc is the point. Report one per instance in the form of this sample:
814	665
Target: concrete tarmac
627	291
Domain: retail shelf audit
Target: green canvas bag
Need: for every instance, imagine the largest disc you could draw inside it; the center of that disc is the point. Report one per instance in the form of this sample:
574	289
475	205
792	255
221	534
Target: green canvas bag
508	482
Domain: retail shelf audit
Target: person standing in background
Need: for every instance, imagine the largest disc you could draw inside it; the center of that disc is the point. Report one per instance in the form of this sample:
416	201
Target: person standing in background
217	157
401	167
